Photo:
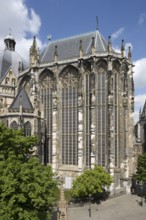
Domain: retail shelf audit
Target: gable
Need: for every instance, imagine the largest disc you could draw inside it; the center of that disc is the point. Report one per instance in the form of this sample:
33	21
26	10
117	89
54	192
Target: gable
26	103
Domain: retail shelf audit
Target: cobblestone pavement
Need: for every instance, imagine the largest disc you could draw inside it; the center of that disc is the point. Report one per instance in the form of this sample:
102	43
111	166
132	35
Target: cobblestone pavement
125	207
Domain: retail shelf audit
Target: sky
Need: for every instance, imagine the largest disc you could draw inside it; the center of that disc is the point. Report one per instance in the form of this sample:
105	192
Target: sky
64	18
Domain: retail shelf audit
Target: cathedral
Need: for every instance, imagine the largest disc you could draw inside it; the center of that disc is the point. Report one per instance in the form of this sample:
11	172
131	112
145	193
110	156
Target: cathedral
140	131
78	97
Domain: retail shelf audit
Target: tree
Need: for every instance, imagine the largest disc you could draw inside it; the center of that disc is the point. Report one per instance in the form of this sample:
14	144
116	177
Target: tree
27	187
141	168
91	183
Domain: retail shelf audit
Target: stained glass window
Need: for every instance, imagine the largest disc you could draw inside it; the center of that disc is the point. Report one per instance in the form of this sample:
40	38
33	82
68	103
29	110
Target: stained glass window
48	82
14	125
27	129
101	117
69	96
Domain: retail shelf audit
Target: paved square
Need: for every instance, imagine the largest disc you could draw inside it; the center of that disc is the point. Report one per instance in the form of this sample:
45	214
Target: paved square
125	207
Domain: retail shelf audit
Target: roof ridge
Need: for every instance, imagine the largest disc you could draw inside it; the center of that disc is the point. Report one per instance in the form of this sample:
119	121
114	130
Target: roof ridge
74	36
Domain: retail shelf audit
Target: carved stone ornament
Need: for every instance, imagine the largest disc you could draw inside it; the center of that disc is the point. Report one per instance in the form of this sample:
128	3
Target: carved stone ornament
28	87
47	81
92	81
101	66
55	99
70	78
110	99
80	100
93	99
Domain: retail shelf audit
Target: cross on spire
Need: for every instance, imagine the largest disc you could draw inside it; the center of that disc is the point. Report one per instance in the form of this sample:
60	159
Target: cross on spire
10	31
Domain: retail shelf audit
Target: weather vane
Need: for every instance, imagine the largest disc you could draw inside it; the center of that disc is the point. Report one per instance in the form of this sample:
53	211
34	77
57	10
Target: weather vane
10	31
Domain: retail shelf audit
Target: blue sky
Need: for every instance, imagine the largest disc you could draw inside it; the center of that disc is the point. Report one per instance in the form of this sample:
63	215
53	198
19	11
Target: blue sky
63	18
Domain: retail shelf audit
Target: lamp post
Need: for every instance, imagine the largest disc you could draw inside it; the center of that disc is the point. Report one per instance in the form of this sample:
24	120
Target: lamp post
89	205
141	192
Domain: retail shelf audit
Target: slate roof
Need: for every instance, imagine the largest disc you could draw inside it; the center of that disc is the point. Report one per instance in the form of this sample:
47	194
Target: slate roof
69	47
26	103
11	59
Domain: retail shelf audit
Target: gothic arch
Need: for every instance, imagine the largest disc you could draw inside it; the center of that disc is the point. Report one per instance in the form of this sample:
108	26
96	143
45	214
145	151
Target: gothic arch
89	83
47	82
115	102
27	129
14	125
47	79
101	65
69	78
101	110
116	66
23	82
87	67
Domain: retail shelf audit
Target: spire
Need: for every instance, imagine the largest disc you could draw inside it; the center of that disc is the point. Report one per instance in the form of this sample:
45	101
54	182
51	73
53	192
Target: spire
129	53
123	49
93	46
96	22
144	108
56	54
140	114
109	46
34	55
34	44
81	50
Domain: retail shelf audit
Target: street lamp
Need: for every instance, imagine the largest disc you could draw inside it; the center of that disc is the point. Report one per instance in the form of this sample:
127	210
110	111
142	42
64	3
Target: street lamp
89	205
141	192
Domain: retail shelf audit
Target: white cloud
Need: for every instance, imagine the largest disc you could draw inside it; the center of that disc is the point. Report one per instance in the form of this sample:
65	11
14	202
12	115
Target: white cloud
24	52
139	101
140	73
142	18
22	21
116	34
136	116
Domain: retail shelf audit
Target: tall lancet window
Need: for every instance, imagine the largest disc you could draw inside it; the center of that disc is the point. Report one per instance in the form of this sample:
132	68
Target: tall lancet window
89	86
101	89
69	113
27	129
14	125
48	85
116	70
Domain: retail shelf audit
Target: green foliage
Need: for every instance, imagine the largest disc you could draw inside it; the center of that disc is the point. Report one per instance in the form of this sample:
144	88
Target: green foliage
27	187
91	183
141	168
68	195
13	143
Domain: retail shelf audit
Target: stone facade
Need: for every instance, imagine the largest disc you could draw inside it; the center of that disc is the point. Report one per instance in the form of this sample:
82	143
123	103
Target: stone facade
140	132
78	96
